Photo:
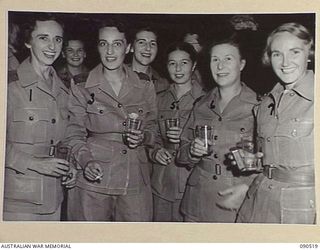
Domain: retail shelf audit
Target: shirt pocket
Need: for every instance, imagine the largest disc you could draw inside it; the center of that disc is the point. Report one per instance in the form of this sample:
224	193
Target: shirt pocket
103	118
29	125
23	188
298	205
295	128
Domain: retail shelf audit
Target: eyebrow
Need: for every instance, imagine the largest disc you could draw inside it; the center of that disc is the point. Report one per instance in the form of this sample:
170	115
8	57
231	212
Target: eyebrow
117	40
144	39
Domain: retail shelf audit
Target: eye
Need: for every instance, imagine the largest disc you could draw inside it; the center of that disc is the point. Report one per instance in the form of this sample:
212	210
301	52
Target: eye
102	43
117	44
275	54
214	59
141	43
185	62
171	64
69	51
228	58
59	39
154	44
43	38
296	52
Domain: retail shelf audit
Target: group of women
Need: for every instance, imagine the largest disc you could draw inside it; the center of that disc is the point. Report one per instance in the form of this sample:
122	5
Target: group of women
200	179
222	155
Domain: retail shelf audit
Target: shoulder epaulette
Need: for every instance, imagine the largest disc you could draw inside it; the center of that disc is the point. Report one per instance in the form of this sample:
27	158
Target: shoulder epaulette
12	76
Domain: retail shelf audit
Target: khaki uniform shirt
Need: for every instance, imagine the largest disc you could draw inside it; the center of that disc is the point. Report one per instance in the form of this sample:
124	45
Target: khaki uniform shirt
285	126
169	181
212	173
36	121
98	120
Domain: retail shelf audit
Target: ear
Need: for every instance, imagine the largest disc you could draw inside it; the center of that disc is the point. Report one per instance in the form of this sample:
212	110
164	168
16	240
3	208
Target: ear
27	45
194	66
242	64
131	48
84	54
63	55
128	48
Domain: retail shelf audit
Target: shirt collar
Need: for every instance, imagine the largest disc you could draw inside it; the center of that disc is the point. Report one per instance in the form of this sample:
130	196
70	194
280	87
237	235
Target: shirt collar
304	87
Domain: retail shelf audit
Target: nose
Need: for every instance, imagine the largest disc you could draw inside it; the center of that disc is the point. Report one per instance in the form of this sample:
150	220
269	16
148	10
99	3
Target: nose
109	49
178	67
52	44
148	46
220	65
285	60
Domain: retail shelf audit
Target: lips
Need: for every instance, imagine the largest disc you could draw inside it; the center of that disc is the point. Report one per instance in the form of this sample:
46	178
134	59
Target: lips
288	70
110	58
179	76
49	54
146	54
222	74
75	59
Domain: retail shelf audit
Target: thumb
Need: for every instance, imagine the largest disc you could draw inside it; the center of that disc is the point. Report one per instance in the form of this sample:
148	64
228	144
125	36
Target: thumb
227	191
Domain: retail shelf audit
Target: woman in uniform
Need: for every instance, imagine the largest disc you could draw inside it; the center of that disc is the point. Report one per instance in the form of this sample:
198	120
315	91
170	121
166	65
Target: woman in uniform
226	111
174	104
285	191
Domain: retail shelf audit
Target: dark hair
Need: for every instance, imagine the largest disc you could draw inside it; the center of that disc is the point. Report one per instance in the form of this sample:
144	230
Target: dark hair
233	40
30	25
295	29
136	30
72	37
186	47
113	22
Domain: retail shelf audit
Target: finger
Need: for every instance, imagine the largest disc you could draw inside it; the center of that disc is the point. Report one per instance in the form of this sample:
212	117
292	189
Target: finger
226	192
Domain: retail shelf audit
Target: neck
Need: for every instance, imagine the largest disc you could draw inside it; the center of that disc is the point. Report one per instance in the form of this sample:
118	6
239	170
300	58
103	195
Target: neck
115	75
139	67
75	70
181	89
226	93
42	70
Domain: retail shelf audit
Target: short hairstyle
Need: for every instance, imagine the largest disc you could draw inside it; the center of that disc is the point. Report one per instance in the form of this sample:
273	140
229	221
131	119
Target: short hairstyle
233	40
71	37
183	46
295	29
113	22
30	25
136	30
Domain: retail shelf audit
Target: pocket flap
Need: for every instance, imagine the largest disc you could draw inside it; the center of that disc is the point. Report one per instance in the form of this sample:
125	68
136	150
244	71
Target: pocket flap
31	114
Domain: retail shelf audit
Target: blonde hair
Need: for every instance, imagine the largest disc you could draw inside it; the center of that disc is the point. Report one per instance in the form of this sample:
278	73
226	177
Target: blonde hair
295	29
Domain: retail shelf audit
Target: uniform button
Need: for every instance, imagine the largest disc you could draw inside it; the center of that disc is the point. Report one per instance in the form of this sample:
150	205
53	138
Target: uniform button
276	116
53	121
215	156
214	177
31	118
242	129
269	139
101	111
215	137
119	105
294	132
51	141
291	94
124	151
161	116
140	111
213	106
295	119
220	119
312	204
174	153
124	124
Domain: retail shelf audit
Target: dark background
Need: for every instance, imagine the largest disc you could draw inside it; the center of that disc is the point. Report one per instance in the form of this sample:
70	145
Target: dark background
171	27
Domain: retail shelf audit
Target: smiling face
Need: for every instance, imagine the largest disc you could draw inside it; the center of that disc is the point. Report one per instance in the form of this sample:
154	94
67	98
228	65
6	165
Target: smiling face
45	43
74	53
289	57
145	47
180	66
112	47
226	64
